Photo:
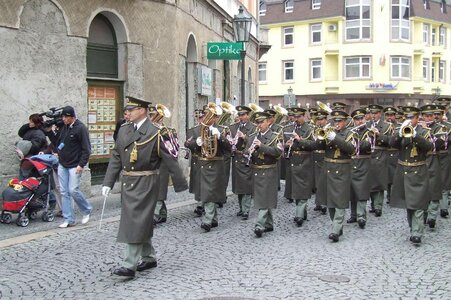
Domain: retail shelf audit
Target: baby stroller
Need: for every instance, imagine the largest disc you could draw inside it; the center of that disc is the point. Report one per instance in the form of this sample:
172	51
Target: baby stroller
30	193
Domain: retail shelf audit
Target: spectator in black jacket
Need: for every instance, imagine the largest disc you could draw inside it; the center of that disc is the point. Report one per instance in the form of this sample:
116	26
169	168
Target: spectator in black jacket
33	132
74	150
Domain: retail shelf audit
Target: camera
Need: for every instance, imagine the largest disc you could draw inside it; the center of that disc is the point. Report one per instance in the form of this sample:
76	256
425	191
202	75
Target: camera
53	117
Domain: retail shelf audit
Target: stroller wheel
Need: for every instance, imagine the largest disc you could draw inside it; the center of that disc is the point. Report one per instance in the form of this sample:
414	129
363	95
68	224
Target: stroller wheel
6	218
32	215
48	216
22	221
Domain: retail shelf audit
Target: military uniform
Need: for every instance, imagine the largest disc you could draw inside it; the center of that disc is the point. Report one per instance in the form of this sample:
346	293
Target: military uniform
194	172
300	162
360	172
445	158
137	155
393	155
433	163
379	160
241	175
411	182
161	212
337	170
212	172
264	171
320	179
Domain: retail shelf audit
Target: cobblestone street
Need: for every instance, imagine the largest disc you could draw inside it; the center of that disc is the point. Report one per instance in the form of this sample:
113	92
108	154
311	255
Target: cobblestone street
289	263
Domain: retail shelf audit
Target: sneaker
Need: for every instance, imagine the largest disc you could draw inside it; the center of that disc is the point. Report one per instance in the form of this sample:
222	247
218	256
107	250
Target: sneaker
85	219
65	225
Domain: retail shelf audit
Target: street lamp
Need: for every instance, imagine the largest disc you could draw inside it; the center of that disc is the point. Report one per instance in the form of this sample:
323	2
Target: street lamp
290	96
241	30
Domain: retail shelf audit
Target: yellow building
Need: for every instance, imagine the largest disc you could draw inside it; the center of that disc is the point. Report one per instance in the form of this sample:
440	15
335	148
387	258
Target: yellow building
391	52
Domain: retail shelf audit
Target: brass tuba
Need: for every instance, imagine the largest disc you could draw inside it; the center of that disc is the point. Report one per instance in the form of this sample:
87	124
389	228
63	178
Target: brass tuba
323	106
209	142
228	111
255	108
280	113
161	111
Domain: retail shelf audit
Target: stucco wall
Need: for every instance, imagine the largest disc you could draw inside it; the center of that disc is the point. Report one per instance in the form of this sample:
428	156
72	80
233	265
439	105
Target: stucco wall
41	67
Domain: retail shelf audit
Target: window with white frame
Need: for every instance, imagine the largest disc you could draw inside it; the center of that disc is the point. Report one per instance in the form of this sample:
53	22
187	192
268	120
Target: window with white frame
400	67
288	70
315	33
358	19
433	71
426	29
289	6
288	34
357	67
400	23
426	69
441	71
316	4
426	4
315	69
262	72
433	35
262	8
442	37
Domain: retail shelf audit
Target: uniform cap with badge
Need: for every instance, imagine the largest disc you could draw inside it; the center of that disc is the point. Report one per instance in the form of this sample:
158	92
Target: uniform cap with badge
375	108
338	106
338	115
242	109
410	111
358	113
321	114
390	110
132	103
299	111
261	116
428	109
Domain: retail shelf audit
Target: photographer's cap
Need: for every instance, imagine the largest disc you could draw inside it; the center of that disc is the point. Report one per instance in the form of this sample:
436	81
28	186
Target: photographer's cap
131	103
68	111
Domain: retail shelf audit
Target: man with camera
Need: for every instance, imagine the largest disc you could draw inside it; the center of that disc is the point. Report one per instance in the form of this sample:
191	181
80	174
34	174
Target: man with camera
74	149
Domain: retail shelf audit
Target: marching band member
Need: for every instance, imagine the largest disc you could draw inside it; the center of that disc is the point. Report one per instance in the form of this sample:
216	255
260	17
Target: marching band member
318	160
137	154
299	143
285	168
211	144
411	184
445	162
360	171
393	154
241	175
169	138
379	165
437	135
194	172
264	149
338	145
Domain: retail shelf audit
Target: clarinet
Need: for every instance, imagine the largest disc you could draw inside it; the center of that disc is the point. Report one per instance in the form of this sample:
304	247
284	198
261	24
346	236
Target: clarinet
252	149
288	154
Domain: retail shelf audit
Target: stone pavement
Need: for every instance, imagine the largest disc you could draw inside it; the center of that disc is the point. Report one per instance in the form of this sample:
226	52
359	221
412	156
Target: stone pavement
289	263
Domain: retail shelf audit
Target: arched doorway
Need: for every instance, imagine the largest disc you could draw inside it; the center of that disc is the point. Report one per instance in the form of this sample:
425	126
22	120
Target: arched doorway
104	67
190	75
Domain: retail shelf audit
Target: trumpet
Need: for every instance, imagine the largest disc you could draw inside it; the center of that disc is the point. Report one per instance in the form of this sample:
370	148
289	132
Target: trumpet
356	128
408	131
321	133
251	149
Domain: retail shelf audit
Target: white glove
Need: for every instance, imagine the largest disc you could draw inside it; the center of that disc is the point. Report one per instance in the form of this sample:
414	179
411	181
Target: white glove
199	141
331	136
400	132
215	131
106	191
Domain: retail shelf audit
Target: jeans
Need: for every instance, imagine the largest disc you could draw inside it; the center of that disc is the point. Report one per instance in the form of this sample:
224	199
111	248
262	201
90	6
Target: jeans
70	188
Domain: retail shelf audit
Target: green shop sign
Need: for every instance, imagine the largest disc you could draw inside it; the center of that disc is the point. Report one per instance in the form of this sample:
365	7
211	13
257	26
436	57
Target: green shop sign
224	51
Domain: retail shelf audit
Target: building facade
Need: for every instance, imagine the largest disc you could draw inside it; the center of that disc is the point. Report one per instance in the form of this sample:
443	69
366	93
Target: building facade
92	53
390	52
